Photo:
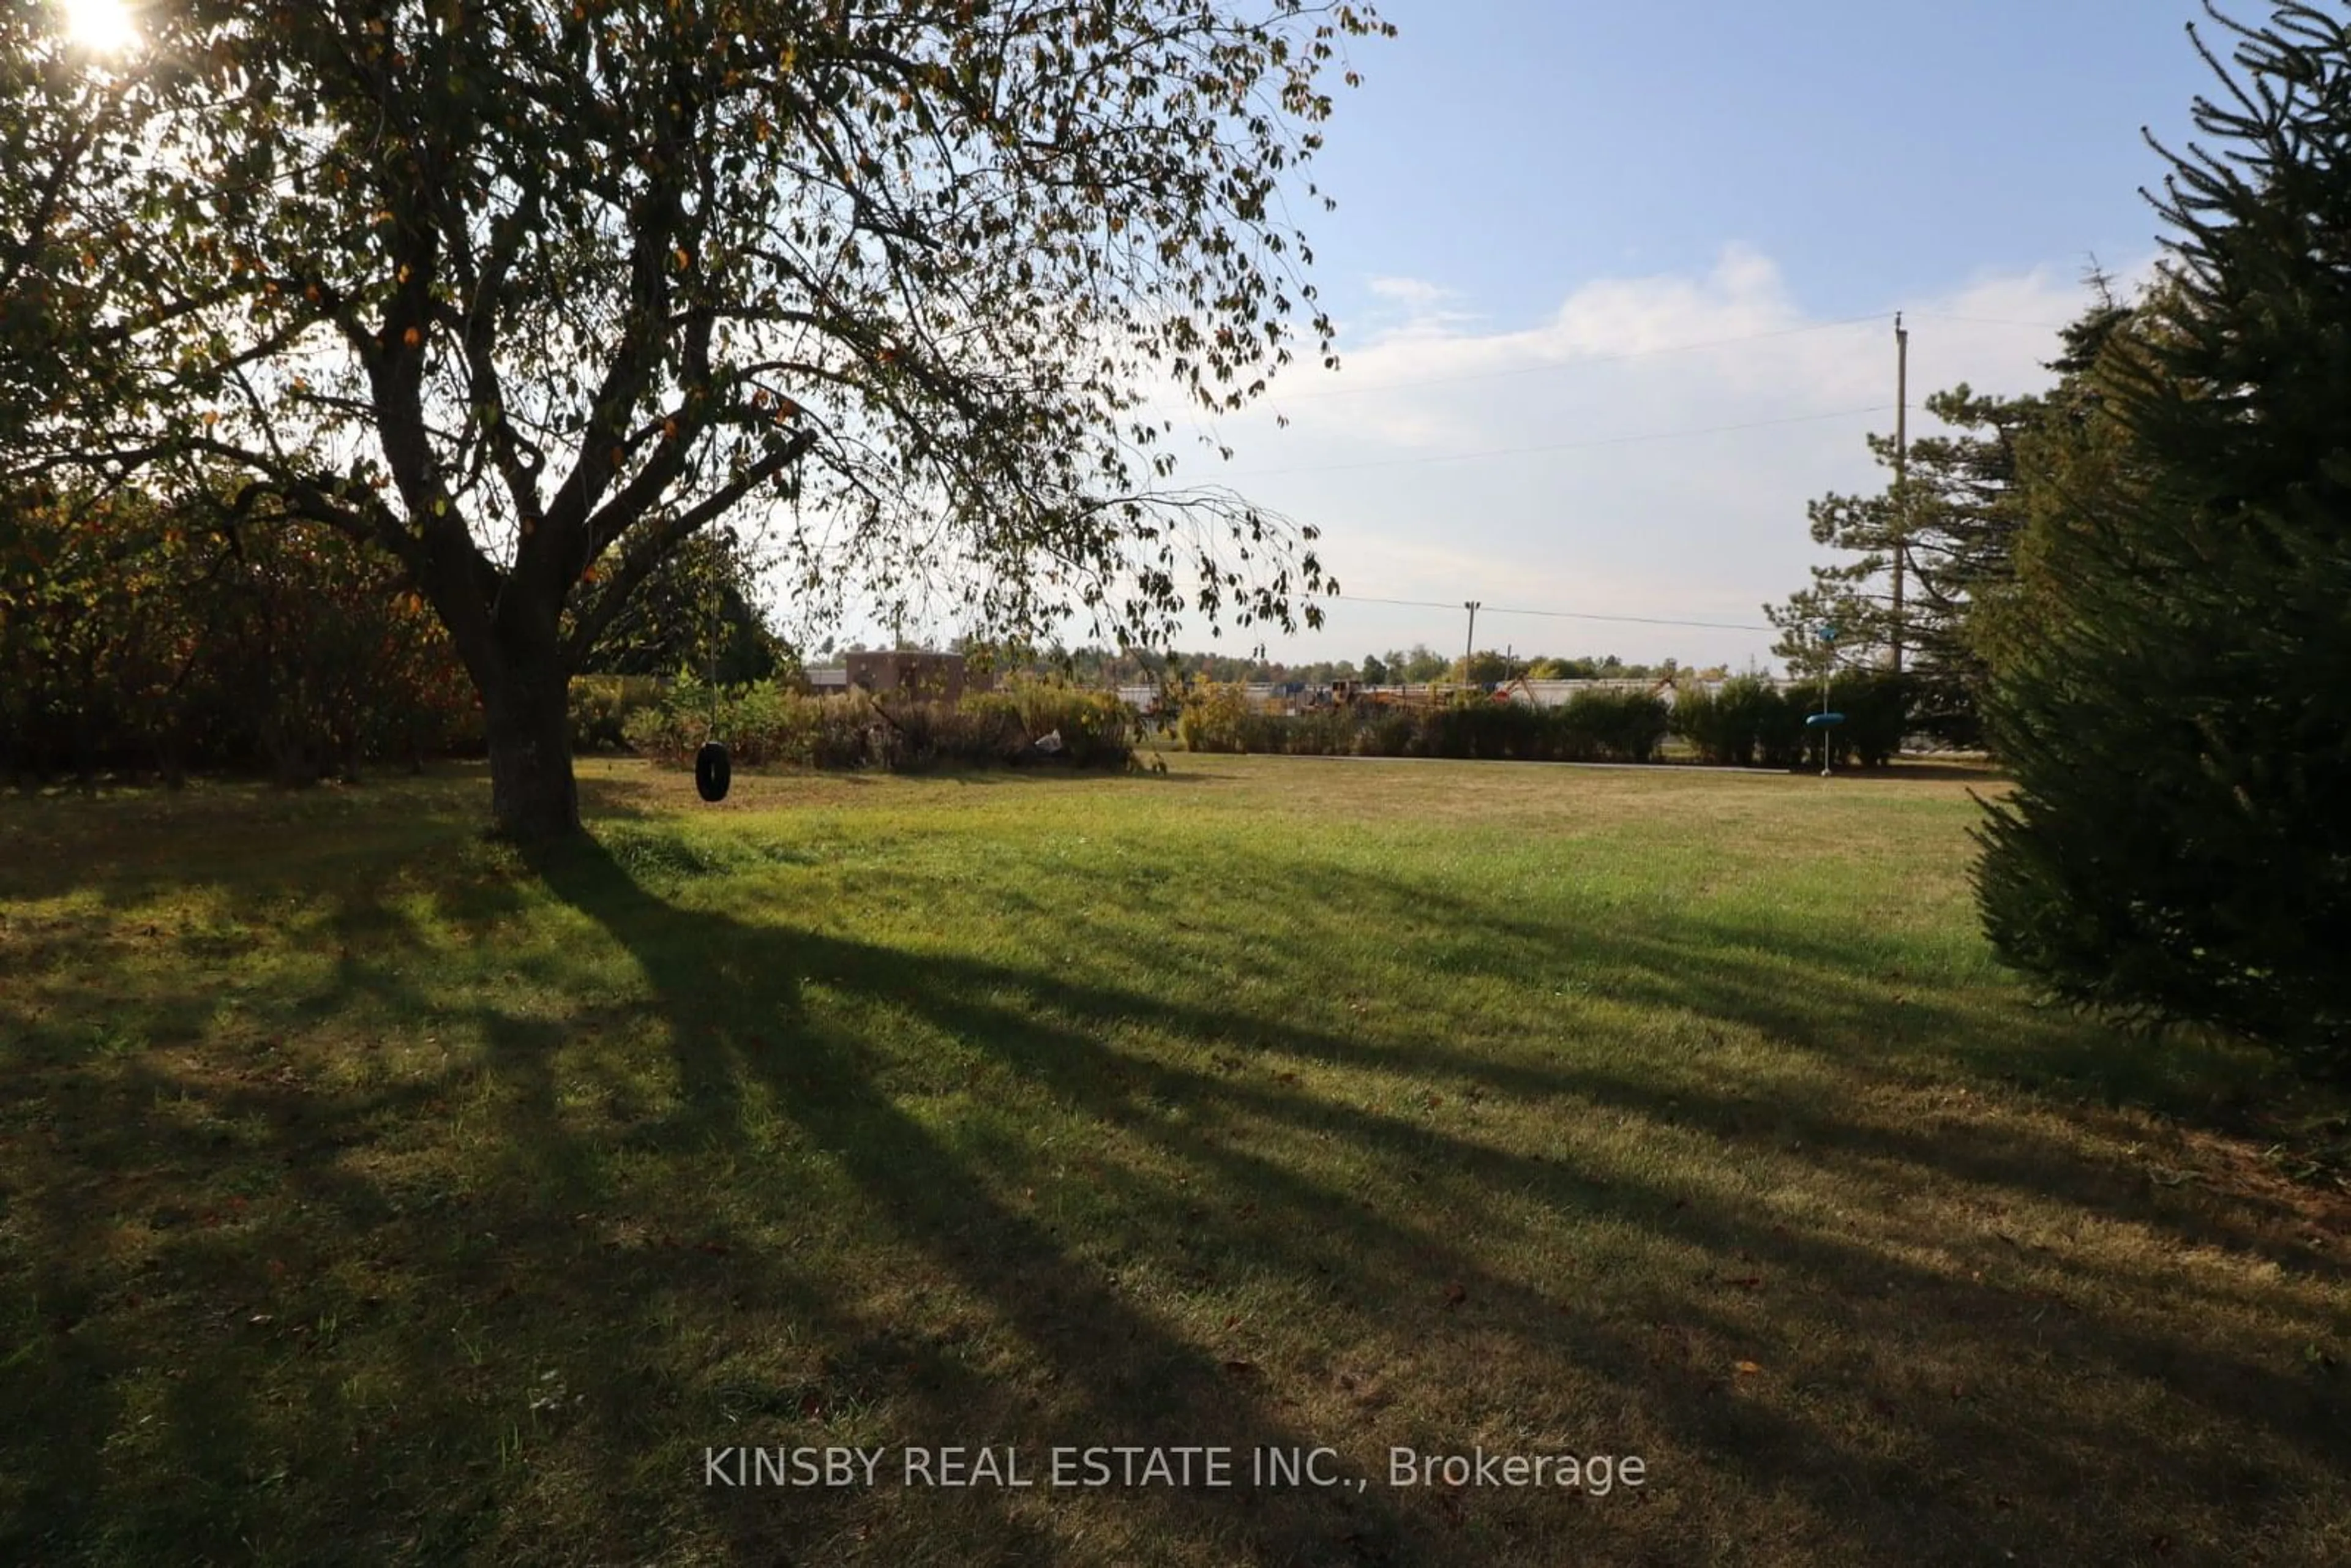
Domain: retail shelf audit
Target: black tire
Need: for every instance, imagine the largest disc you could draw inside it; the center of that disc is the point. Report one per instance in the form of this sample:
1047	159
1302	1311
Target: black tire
714	770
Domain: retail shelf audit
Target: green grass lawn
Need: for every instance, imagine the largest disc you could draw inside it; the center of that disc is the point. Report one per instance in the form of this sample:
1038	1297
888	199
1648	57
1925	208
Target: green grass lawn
371	1192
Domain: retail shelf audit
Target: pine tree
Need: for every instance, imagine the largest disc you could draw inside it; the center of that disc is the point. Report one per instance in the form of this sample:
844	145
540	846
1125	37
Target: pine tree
1954	517
2174	691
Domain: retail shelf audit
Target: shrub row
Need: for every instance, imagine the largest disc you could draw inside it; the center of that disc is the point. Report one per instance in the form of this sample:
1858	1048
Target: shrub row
1745	722
1591	727
768	724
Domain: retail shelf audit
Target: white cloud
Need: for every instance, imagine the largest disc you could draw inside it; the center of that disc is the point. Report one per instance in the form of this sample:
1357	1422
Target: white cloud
1413	308
1649	448
1579	508
1414	292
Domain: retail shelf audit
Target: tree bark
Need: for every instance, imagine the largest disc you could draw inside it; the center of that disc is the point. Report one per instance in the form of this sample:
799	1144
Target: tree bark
509	637
533	795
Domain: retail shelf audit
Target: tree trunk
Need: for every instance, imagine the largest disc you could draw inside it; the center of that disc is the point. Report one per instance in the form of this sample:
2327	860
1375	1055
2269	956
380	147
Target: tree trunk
509	637
526	712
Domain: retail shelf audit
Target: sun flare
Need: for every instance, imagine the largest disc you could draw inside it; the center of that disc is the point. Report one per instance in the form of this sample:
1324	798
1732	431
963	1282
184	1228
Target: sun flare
103	26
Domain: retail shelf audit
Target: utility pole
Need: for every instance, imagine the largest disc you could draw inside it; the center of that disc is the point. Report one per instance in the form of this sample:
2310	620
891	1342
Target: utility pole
1469	649
1901	473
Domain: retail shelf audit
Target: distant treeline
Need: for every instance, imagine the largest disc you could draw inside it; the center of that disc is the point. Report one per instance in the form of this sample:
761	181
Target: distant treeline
1414	665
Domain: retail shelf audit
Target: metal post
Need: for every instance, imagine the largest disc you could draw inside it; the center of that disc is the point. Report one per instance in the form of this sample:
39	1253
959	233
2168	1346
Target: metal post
1901	473
1828	664
1827	749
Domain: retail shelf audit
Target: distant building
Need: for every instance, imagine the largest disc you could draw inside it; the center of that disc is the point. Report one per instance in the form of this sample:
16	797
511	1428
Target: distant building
940	677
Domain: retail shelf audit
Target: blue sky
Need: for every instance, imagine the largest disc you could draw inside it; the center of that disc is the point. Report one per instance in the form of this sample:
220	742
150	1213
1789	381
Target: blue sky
1547	210
1510	150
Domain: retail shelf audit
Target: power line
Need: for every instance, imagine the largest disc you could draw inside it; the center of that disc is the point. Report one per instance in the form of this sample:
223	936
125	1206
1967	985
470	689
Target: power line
1573	363
1990	321
1606	441
1563	446
1558	614
1569	365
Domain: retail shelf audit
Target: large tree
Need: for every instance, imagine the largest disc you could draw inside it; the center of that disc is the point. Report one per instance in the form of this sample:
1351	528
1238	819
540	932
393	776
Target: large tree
527	293
2174	688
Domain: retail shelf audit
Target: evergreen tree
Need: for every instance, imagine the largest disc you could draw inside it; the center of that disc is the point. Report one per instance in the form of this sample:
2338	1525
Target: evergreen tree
2174	691
1954	520
1954	517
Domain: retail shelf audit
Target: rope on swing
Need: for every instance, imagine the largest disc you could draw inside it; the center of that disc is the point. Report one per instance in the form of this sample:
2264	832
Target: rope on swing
714	769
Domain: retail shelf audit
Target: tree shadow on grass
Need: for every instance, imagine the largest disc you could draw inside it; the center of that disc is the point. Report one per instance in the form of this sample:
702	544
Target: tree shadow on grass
731	995
1242	1152
1384	1266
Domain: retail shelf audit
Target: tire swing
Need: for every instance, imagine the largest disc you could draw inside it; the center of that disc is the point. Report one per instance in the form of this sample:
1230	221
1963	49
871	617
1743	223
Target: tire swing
713	772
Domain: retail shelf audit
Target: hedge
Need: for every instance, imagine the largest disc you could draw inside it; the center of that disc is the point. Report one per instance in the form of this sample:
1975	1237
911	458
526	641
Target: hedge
1748	722
1745	722
1591	727
770	725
